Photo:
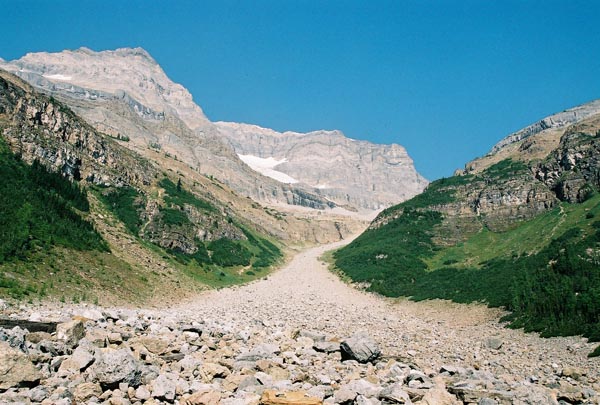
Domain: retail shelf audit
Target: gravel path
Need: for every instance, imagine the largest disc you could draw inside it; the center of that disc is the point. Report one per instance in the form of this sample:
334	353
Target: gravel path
305	294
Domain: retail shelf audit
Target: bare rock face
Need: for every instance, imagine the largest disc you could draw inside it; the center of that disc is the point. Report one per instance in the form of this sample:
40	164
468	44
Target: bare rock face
573	169
559	120
536	141
358	173
40	128
125	94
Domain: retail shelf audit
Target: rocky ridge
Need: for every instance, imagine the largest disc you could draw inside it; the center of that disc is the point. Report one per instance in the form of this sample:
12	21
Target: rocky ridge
535	141
301	337
559	120
126	94
39	128
349	172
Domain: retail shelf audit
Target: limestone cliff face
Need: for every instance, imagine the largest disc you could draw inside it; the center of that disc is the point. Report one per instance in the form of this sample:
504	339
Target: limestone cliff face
348	171
39	128
126	94
559	120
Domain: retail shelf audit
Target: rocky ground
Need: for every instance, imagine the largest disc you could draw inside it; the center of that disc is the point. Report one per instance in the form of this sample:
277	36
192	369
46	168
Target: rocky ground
299	337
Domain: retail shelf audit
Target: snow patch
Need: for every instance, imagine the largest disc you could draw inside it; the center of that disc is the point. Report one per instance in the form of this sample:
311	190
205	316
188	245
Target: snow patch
266	167
57	77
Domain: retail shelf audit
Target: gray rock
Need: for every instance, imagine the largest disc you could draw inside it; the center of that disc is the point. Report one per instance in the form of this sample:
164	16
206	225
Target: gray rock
142	392
365	388
493	343
15	368
315	336
163	388
362	400
395	394
38	394
260	352
70	332
326	347
361	348
115	366
248	382
83	355
344	395
16	338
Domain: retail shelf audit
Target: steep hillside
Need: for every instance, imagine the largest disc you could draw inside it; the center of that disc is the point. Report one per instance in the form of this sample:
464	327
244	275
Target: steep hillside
136	226
523	234
126	94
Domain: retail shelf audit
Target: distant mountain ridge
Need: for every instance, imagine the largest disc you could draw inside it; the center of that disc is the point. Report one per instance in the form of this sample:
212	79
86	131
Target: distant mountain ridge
351	171
125	93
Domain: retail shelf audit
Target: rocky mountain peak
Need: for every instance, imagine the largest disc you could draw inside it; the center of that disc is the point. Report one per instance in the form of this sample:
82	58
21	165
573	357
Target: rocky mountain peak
125	71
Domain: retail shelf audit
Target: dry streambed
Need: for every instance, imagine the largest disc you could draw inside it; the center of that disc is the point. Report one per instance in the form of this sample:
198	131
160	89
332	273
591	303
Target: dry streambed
299	337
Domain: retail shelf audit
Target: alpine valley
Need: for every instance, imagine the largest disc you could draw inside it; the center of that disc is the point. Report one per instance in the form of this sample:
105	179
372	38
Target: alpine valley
151	256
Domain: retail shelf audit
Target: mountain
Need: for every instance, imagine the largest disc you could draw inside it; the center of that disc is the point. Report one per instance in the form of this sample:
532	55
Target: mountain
83	215
519	228
125	94
537	140
349	172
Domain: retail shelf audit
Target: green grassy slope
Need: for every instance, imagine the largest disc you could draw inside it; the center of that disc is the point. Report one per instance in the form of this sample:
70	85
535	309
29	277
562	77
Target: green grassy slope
546	270
217	263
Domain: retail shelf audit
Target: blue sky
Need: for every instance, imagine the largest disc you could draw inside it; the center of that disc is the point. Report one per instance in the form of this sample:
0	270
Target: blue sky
445	79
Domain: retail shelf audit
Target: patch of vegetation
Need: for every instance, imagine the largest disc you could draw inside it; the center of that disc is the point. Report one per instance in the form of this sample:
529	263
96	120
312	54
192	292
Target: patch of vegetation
227	252
174	217
505	169
217	263
83	276
40	209
125	203
176	194
393	254
438	193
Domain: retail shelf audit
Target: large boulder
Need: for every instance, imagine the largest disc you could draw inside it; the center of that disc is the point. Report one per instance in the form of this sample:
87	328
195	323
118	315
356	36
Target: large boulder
360	347
70	332
115	366
16	369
